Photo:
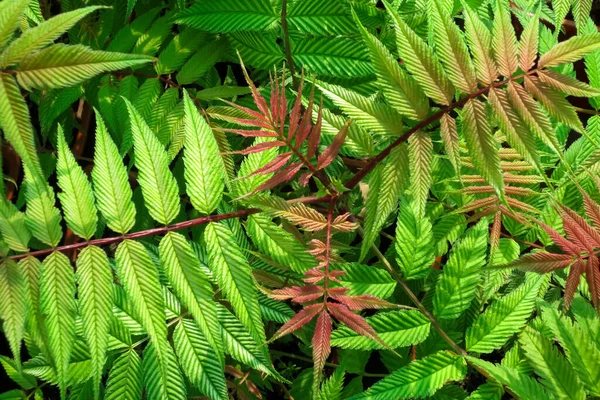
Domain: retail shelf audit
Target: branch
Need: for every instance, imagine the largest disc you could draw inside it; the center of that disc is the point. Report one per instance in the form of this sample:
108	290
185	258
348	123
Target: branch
286	42
161	230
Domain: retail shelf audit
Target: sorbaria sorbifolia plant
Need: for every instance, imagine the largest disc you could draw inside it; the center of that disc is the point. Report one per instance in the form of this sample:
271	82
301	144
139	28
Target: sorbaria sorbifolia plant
309	199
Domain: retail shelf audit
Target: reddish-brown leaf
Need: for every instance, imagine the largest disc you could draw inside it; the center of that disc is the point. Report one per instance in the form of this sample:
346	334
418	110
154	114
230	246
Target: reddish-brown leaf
259	100
576	235
521	205
303	180
586	230
306	123
592	276
339	291
286	293
342	224
495	231
282	113
592	209
321	341
271	166
282	176
560	241
298	321
353	321
296	110
250	132
257	148
260	119
572	282
315	134
332	151
363	302
542	262
309	293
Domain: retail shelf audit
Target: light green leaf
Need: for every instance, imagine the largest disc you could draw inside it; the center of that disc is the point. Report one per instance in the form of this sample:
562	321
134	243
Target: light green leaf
456	286
161	194
191	285
204	171
570	50
77	198
13	305
63	66
504	40
57	301
10	16
42	35
504	317
14	372
234	277
480	42
111	182
125	378
95	279
419	379
201	366
41	216
364	279
162	381
12	226
420	150
395	328
230	15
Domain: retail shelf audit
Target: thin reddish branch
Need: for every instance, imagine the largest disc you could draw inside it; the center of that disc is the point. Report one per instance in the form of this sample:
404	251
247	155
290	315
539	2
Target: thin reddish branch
159	231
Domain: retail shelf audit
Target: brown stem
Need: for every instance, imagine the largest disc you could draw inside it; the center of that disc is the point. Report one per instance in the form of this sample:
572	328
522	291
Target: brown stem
158	231
286	43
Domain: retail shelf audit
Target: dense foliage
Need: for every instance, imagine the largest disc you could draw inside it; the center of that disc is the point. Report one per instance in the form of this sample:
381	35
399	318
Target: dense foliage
313	199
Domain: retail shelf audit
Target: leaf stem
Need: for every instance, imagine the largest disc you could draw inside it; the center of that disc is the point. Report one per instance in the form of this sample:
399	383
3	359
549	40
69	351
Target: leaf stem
286	43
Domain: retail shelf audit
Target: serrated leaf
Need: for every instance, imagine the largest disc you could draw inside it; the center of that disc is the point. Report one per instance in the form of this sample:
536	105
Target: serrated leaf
191	286
204	172
456	286
420	379
111	182
13	305
570	50
504	317
337	56
480	42
12	226
504	40
77	198
395	328
232	272
320	17
161	194
528	44
162	381
229	16
57	303
41	216
363	279
10	16
14	372
125	378
94	278
420	150
201	366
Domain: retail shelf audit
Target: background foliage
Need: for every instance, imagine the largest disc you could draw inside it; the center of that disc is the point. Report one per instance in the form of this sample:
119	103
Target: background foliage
332	199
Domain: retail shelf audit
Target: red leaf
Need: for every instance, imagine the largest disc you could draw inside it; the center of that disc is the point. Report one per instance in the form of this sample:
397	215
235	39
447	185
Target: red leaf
263	120
362	302
542	262
251	132
271	166
257	148
298	321
321	340
282	176
309	293
572	282
352	321
282	105
285	293
306	123
332	151
339	291
315	134
560	241
296	109
592	209
592	276
592	237
303	180
274	98
259	100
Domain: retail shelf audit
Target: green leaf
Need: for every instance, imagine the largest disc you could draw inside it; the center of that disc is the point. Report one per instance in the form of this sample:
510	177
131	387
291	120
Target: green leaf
13	370
230	15
179	50
376	118
162	381
455	289
57	301
581	351
202	368
504	317
415	248
125	378
570	50
278	244
233	276
504	40
488	391
182	267
161	194
366	279
42	35
201	62
15	122
395	329
556	373
31	268
111	182
41	216
77	198
13	305
95	279
480	43
421	61
204	171
337	56
258	49
451	48
320	17
480	142
419	379
139	278
400	89
10	16
420	150
63	66
12	226
384	190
